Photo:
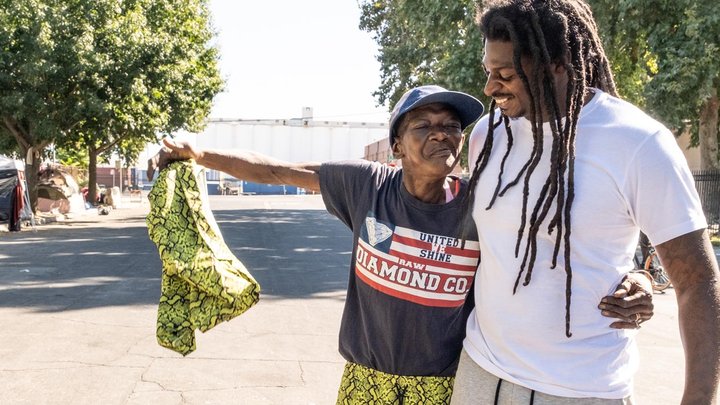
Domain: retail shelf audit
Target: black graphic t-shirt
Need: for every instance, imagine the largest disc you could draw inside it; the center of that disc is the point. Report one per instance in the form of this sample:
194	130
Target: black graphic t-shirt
406	306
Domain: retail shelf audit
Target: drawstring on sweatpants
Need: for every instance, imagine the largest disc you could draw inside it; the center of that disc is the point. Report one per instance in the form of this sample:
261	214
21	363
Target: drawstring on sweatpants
497	393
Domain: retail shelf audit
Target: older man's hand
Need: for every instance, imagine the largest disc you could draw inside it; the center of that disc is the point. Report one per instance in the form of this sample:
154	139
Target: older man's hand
631	303
172	152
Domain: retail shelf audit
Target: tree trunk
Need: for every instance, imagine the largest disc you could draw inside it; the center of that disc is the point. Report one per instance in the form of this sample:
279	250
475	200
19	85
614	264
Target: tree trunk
709	157
31	150
32	169
92	175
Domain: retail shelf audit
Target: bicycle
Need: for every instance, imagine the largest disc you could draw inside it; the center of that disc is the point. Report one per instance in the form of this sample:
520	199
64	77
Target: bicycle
649	261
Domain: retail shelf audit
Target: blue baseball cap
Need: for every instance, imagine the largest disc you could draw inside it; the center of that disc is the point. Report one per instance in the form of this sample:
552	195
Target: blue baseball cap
468	108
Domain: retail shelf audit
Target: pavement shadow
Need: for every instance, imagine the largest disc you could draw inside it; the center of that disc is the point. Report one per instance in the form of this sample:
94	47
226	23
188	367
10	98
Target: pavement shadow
292	254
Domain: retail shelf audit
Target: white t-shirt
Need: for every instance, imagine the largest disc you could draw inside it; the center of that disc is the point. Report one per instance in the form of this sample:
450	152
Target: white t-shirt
629	175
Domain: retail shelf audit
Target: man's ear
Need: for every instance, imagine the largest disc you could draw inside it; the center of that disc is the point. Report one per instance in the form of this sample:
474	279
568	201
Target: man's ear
397	149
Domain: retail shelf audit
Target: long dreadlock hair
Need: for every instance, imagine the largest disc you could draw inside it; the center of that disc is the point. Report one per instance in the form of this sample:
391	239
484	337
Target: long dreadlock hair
547	31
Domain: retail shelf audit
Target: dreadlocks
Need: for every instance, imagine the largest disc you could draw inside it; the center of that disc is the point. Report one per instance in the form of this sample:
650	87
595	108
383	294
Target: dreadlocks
548	32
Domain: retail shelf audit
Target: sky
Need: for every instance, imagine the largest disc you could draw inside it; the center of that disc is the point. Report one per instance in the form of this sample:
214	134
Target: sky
278	56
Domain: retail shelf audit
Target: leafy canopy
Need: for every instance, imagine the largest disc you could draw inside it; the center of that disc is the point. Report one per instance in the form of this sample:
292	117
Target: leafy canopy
663	53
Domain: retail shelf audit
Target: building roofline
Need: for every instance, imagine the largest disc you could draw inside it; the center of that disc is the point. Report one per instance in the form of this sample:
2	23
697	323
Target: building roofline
299	122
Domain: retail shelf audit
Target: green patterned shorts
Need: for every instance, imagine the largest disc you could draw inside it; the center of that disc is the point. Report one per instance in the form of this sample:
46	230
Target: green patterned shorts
363	385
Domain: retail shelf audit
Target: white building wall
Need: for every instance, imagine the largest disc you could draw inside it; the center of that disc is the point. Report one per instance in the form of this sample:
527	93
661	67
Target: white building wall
294	143
293	140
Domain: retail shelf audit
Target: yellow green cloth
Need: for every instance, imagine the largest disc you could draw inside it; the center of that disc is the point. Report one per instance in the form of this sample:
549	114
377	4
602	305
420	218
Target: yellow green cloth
203	283
367	386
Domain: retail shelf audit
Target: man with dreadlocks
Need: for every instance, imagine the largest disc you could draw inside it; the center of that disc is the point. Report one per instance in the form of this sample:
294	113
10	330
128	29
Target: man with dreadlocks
583	172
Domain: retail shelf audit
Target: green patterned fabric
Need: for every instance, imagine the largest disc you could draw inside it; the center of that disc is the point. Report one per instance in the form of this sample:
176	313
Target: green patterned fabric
363	385
203	283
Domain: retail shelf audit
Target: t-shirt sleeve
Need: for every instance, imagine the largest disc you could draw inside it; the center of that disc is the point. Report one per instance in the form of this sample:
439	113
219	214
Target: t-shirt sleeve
661	190
344	186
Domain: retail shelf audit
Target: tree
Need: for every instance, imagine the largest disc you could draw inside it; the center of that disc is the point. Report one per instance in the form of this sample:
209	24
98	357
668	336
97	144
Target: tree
680	40
37	99
155	57
425	42
103	75
663	54
632	63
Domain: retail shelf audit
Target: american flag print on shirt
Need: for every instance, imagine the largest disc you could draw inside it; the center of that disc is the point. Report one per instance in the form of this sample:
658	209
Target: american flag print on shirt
419	267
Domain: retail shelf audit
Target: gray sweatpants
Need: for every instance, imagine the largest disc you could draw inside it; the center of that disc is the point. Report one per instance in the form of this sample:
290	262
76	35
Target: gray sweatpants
474	385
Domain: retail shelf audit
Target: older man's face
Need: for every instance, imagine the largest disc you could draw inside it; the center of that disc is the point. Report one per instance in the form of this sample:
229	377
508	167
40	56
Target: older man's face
429	140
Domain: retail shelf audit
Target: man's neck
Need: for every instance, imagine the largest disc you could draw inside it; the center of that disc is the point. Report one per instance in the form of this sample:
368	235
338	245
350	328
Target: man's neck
427	191
589	96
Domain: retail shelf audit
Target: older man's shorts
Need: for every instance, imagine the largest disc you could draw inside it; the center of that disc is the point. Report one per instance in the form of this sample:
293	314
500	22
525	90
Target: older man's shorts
363	385
203	283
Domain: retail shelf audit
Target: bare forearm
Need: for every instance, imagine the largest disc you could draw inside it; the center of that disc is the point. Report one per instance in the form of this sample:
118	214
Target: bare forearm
259	168
693	269
699	317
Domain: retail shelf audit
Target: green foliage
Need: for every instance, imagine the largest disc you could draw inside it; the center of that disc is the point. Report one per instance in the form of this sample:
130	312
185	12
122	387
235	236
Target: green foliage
152	70
663	53
689	69
103	75
75	156
8	145
626	46
36	72
425	42
684	36
73	70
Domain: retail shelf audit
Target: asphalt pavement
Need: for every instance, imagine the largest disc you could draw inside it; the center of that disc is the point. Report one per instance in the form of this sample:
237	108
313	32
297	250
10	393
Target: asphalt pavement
78	302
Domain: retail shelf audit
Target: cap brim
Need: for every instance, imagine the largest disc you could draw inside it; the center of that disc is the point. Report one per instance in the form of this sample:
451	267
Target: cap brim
468	108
